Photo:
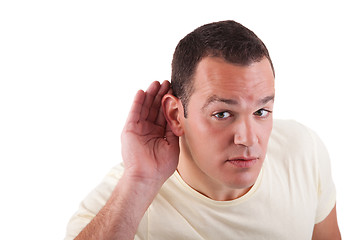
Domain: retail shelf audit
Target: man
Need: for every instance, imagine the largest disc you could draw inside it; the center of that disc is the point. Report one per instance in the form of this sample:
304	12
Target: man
204	160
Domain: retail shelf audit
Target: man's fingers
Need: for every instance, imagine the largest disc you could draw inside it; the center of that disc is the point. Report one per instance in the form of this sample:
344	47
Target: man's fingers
161	120
147	105
135	110
151	92
155	110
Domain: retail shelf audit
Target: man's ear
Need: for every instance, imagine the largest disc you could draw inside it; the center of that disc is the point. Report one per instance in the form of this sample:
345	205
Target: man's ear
172	109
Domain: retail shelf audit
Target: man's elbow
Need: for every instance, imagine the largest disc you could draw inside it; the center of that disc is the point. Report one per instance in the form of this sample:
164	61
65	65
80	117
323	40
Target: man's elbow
328	229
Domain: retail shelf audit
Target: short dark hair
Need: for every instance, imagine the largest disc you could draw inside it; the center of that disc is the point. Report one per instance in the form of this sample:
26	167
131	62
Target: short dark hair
226	39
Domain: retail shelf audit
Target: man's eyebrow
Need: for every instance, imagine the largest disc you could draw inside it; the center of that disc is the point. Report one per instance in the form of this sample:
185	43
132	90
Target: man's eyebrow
215	98
265	100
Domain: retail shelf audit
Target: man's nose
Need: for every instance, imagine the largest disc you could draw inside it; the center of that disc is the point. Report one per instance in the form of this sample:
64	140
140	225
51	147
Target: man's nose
245	133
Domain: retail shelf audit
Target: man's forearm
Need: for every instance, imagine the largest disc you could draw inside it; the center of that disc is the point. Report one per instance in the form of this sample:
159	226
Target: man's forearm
121	215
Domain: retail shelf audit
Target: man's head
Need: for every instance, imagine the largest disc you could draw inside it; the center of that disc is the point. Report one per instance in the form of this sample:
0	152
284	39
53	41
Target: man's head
227	92
226	39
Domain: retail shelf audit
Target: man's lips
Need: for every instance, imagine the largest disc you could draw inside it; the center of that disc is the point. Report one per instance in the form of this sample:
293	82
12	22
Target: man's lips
243	162
243	158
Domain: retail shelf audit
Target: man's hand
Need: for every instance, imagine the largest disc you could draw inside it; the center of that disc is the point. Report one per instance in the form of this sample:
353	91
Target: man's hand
150	153
150	150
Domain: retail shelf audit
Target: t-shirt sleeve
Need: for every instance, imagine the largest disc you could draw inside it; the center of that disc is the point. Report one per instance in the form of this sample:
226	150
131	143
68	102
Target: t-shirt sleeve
93	203
325	185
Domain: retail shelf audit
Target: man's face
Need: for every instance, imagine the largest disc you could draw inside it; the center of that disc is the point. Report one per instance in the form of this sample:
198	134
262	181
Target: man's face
227	128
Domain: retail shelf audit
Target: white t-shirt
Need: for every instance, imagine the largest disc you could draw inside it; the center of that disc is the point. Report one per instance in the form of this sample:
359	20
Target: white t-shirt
293	191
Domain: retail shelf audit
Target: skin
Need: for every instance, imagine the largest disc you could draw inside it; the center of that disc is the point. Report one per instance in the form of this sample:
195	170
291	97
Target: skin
328	228
229	117
149	159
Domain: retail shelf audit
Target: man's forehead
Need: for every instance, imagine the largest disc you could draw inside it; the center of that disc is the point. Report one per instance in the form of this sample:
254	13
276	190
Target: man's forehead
216	79
212	69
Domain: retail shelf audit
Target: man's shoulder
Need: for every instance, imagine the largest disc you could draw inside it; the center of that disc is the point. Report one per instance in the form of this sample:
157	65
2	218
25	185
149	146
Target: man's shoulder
290	135
288	126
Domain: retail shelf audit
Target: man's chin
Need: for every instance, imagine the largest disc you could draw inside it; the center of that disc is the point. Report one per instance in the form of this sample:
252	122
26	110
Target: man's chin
242	180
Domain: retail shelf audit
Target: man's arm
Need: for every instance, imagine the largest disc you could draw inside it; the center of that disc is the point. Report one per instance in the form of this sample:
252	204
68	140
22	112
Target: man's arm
122	213
327	229
150	154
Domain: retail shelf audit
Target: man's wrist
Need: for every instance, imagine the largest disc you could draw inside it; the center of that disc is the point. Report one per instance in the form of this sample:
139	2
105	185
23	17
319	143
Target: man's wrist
148	185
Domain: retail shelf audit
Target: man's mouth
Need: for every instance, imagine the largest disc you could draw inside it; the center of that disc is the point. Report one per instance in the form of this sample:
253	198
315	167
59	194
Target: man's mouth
243	162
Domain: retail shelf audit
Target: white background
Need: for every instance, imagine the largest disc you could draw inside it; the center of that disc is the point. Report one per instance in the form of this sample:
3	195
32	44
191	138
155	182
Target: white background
69	71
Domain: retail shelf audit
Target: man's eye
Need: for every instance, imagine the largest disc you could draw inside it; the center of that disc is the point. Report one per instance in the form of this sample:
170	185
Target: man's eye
222	115
262	113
